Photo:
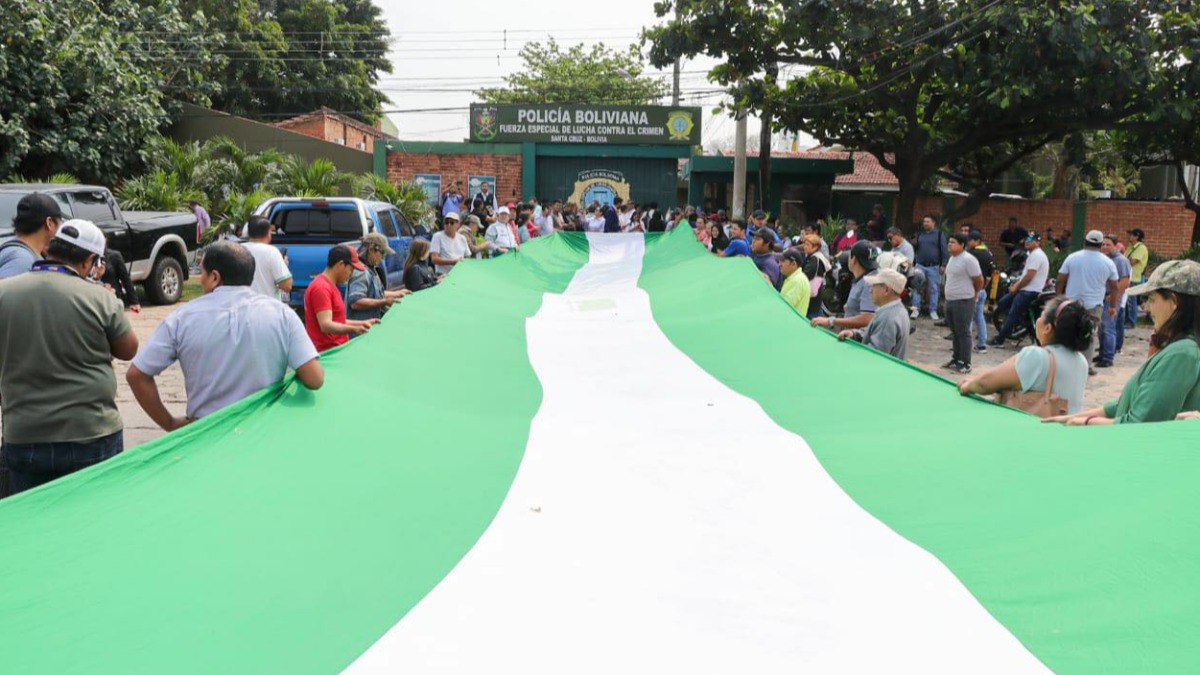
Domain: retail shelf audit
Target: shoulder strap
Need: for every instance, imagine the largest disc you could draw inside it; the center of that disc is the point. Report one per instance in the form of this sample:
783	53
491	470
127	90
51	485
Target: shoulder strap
12	243
1050	375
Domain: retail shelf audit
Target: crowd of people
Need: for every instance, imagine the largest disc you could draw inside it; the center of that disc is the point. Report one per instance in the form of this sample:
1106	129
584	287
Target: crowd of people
61	324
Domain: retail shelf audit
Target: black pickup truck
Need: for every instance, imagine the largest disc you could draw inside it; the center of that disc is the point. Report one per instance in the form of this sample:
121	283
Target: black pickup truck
158	247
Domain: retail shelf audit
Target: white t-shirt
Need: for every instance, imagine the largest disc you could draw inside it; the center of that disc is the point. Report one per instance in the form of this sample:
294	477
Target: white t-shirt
269	269
1037	260
451	249
230	343
595	224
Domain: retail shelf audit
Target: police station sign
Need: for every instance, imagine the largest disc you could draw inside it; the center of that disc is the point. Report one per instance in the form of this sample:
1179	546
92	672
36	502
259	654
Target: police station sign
550	123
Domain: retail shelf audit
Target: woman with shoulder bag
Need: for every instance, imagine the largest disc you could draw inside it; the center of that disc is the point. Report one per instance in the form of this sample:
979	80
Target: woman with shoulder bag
1168	383
1049	379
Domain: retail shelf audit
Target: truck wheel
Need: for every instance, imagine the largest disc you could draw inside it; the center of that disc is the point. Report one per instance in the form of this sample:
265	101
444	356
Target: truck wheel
164	286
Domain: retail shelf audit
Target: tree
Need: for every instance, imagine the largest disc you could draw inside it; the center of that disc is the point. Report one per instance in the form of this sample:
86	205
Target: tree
1169	133
550	75
281	58
957	90
89	104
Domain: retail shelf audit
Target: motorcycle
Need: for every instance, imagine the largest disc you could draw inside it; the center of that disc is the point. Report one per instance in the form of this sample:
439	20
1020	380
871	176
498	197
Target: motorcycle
836	289
1025	325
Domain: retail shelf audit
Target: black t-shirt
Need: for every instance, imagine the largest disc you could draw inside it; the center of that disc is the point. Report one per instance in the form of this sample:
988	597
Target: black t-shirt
1011	237
986	264
418	277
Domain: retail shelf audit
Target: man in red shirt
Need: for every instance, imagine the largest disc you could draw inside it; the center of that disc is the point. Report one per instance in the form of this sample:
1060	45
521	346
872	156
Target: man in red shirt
324	308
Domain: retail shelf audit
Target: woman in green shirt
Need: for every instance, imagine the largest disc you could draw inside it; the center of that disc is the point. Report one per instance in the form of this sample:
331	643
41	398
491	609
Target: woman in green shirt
1169	382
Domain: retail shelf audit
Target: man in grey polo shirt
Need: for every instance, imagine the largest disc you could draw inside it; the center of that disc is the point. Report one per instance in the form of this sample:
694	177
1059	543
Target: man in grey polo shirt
889	327
1090	278
230	343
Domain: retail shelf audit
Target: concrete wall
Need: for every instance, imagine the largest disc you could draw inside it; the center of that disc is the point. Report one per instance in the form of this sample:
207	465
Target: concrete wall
201	124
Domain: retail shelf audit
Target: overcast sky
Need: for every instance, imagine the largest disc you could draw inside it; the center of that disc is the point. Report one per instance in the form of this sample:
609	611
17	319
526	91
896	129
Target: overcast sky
440	55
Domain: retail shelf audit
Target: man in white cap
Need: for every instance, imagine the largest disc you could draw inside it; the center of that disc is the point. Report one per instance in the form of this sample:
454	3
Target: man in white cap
889	327
59	332
448	246
501	236
1090	278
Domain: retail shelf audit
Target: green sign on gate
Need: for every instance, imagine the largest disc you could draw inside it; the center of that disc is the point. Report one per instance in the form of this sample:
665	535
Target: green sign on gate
599	124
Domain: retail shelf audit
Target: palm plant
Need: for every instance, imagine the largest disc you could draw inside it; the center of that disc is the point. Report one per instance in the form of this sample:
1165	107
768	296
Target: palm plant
238	208
408	198
157	191
319	178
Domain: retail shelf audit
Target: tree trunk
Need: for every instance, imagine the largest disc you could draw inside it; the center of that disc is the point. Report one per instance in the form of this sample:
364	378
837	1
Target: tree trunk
764	163
1195	225
764	147
906	201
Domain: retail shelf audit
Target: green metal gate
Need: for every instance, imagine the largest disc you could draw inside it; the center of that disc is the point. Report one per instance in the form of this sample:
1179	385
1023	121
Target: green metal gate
650	180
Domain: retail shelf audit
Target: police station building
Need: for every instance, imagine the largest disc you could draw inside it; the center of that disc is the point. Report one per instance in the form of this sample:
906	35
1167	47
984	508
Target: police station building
590	153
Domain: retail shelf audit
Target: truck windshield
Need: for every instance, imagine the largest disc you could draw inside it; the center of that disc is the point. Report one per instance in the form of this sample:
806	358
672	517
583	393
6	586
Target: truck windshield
299	222
8	210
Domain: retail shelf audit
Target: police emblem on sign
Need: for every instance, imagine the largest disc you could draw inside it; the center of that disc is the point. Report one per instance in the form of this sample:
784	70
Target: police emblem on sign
680	125
485	123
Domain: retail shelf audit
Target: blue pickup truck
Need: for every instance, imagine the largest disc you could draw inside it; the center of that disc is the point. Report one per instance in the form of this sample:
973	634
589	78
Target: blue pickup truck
306	228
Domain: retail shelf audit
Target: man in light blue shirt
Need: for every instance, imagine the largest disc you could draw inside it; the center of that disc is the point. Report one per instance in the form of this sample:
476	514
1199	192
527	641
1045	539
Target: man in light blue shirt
230	343
34	224
1090	278
1112	324
451	201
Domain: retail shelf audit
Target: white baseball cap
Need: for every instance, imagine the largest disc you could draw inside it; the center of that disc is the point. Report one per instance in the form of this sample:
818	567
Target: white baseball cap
502	209
82	233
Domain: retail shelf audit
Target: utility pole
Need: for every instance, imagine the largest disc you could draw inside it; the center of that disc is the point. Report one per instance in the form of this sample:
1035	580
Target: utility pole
675	69
739	169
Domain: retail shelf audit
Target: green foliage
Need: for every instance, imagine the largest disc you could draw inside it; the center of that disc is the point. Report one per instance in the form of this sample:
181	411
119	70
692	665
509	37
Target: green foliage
84	84
234	213
961	90
61	178
286	57
832	227
550	75
301	178
157	191
408	198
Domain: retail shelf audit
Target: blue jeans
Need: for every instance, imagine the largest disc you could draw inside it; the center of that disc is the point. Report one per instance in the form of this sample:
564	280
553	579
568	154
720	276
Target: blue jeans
33	464
1131	313
1017	306
933	278
1112	334
980	319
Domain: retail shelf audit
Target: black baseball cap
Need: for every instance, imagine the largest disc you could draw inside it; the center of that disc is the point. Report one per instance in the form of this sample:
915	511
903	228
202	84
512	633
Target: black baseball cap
33	210
976	235
864	253
1137	232
758	213
794	256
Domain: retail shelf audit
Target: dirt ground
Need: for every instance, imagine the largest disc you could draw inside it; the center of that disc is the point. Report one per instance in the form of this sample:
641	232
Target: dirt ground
926	349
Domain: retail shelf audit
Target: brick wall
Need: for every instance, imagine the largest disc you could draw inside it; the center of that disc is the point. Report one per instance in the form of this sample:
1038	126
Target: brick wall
331	129
1168	225
335	129
401	167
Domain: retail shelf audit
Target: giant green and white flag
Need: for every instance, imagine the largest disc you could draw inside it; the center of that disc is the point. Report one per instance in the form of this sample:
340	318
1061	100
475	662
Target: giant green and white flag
612	454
